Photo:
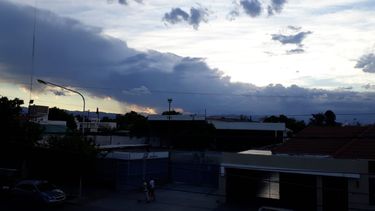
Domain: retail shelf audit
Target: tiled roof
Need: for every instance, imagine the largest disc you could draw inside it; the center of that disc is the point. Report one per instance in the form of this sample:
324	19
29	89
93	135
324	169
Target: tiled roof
340	142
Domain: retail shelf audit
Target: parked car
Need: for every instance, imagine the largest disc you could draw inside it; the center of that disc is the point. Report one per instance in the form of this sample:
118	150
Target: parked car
38	191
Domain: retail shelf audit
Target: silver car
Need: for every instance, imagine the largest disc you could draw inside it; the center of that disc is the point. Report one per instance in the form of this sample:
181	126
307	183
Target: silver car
38	191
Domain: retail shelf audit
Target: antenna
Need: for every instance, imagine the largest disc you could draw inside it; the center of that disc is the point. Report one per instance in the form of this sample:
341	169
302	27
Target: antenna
31	101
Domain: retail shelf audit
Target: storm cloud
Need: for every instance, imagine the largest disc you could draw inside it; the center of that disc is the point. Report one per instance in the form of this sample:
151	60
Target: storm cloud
196	16
73	54
366	63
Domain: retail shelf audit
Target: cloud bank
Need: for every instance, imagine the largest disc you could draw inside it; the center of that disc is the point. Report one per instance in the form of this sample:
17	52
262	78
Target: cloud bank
71	53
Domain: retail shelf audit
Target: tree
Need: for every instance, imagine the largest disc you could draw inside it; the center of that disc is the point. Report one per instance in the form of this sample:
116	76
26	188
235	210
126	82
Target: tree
326	119
136	123
317	119
61	115
107	119
14	126
330	118
69	157
74	144
290	123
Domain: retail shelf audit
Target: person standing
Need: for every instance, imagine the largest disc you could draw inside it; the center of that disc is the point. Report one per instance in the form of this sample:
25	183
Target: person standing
146	191
152	189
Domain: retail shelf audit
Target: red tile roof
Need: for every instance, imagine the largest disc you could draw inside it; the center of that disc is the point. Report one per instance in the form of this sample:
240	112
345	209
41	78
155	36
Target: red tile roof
341	142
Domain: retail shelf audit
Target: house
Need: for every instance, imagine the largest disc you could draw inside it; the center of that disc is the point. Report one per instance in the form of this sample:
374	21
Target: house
39	115
95	125
321	168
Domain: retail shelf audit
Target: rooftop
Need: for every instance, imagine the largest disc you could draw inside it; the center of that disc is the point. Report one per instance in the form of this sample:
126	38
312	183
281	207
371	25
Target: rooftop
352	142
225	125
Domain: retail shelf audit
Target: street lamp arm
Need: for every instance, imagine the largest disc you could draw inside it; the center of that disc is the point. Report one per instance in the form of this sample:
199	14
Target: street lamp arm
62	87
71	90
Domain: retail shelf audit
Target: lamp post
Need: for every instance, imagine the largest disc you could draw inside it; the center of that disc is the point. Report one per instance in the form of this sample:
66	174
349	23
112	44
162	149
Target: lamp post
83	118
169	103
83	98
169	108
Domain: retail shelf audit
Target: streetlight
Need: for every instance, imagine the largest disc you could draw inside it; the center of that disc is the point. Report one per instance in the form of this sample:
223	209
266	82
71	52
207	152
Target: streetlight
169	108
83	98
83	119
169	102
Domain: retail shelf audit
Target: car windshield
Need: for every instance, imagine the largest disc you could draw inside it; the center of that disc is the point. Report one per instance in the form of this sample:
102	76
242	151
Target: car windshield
45	186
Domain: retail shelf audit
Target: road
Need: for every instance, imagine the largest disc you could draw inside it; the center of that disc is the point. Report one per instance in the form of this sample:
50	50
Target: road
166	199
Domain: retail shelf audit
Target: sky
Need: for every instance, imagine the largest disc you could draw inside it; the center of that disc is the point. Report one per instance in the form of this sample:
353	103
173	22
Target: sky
251	57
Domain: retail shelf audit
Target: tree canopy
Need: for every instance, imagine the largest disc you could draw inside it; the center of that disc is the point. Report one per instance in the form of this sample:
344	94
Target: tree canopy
61	115
136	123
290	123
14	126
324	119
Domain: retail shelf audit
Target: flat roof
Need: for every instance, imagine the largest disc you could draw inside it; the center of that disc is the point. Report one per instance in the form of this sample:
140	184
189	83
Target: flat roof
256	152
224	125
192	117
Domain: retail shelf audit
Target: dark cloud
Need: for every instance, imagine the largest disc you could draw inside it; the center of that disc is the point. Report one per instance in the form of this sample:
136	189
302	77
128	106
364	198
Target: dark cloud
293	36
73	54
295	51
58	93
276	6
176	15
366	63
291	39
196	16
252	8
123	2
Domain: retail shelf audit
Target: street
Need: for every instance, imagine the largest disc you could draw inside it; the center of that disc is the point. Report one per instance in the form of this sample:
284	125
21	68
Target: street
192	198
